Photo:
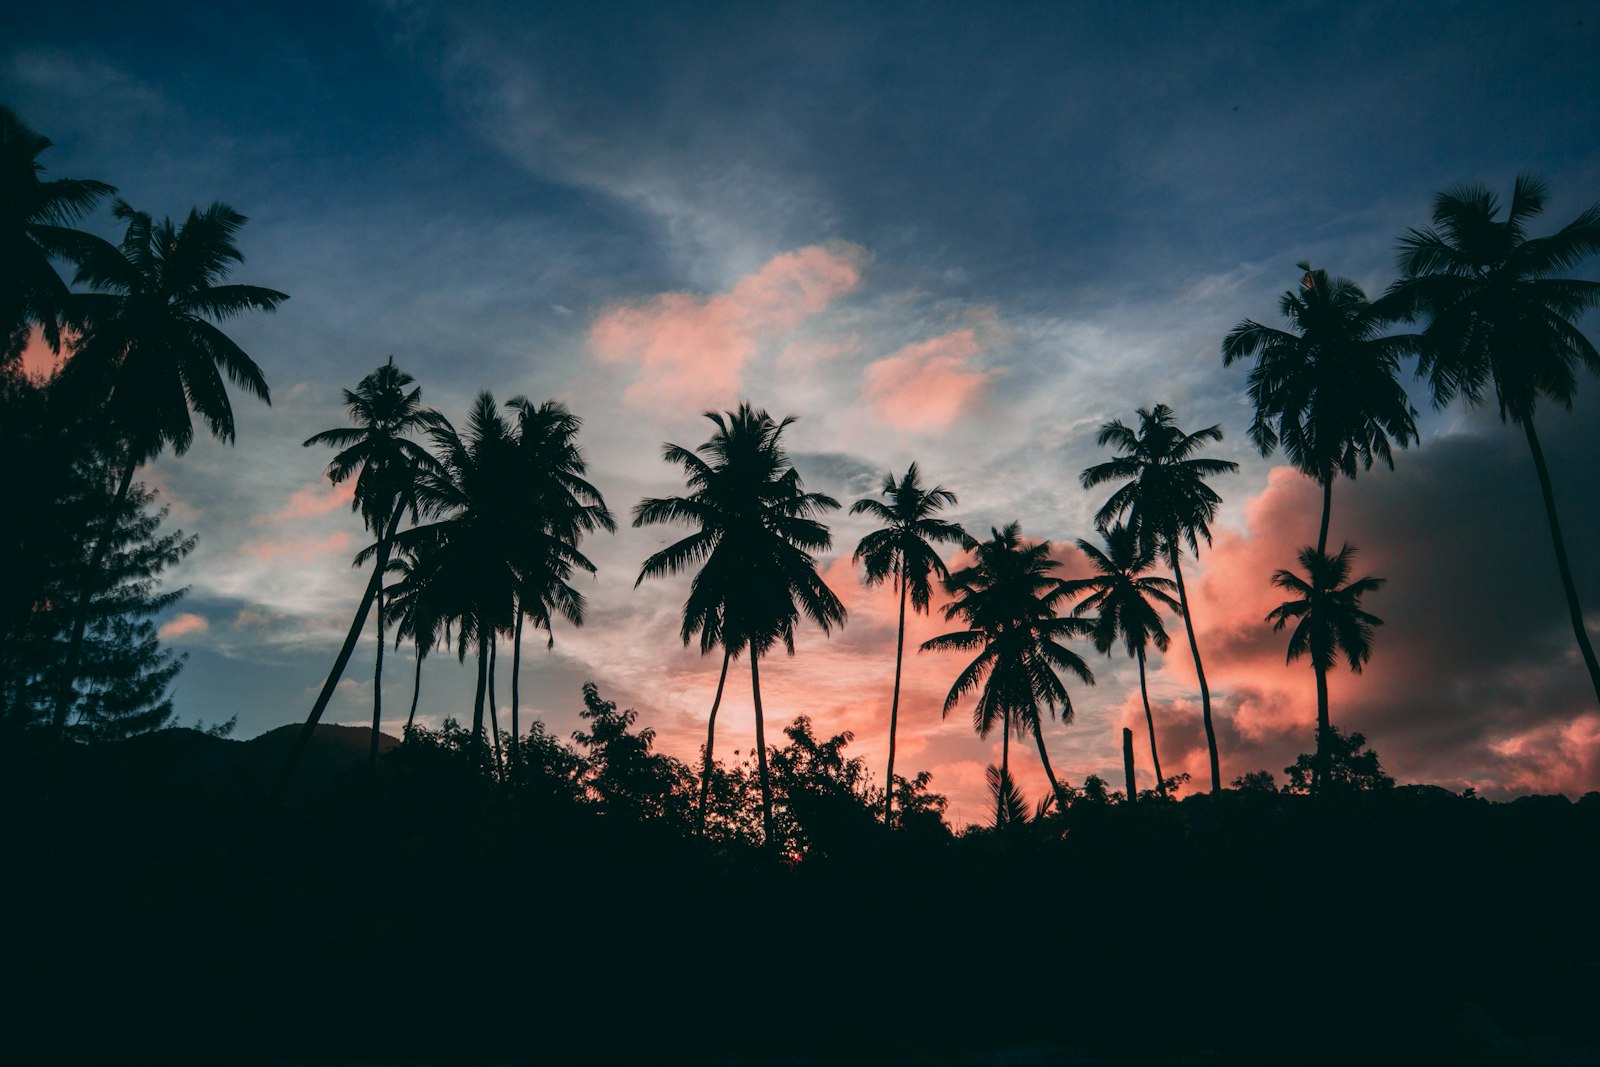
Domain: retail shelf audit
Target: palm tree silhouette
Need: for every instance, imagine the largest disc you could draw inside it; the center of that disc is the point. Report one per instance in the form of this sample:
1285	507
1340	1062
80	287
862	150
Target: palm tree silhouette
1125	603
410	608
559	501
902	549
1167	504
151	348
754	536
1329	392
386	464
1008	598
1330	622
36	220
1500	316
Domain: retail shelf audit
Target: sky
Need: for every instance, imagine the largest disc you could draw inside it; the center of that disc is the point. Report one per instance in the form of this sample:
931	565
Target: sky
960	235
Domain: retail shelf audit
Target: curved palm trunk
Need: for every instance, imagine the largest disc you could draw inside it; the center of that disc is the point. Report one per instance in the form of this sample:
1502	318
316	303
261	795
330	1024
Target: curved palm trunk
80	615
1005	770
1044	757
711	737
894	708
494	716
1567	586
1200	672
477	700
1149	720
416	691
1319	770
377	673
761	753
516	674
1327	510
309	727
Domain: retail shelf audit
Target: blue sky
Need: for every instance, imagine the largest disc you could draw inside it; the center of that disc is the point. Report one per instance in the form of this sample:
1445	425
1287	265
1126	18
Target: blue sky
1003	226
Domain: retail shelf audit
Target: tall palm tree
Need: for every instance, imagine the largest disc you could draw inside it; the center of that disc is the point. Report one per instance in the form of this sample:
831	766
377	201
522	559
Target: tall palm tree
1329	392
1501	317
1167	504
1125	603
153	351
386	464
1008	599
1330	622
560	501
902	549
755	532
36	220
410	608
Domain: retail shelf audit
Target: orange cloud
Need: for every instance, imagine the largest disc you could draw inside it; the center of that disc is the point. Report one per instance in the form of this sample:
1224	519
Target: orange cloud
691	349
38	362
183	625
927	385
299	549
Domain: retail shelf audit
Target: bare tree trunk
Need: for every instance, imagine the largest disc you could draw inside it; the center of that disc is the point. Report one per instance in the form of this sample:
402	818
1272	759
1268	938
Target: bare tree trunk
1005	769
1127	765
894	707
711	737
494	716
377	672
1327	510
1319	774
1573	608
761	752
1200	672
1044	757
1155	760
516	674
416	691
483	682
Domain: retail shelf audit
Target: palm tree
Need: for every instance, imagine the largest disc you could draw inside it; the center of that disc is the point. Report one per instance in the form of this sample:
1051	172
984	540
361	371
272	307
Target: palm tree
36	219
151	348
1329	392
903	549
1330	622
409	606
559	501
1008	598
754	536
386	464
1167	504
1501	317
1126	604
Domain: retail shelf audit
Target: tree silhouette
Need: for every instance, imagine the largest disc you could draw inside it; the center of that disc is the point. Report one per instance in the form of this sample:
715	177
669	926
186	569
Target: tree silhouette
36	220
902	549
151	348
1008	598
1125	605
1167	504
1329	621
385	463
754	535
1500	316
1329	392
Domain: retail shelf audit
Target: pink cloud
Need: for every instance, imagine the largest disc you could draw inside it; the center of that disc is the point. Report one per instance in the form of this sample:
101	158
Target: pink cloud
309	503
691	349
183	625
927	385
299	549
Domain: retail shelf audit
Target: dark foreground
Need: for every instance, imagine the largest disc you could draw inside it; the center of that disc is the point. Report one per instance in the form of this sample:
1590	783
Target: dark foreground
154	913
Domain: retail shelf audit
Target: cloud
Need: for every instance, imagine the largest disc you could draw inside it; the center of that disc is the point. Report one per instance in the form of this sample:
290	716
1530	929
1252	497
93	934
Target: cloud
929	384
183	625
300	549
692	349
309	503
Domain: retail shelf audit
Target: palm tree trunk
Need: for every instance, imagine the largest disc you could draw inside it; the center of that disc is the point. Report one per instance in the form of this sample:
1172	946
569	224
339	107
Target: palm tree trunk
1131	783
1573	608
1327	510
309	727
477	700
1200	672
416	691
711	737
1155	760
80	615
761	752
516	674
494	716
1044	757
1319	771
894	706
377	673
1005	769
